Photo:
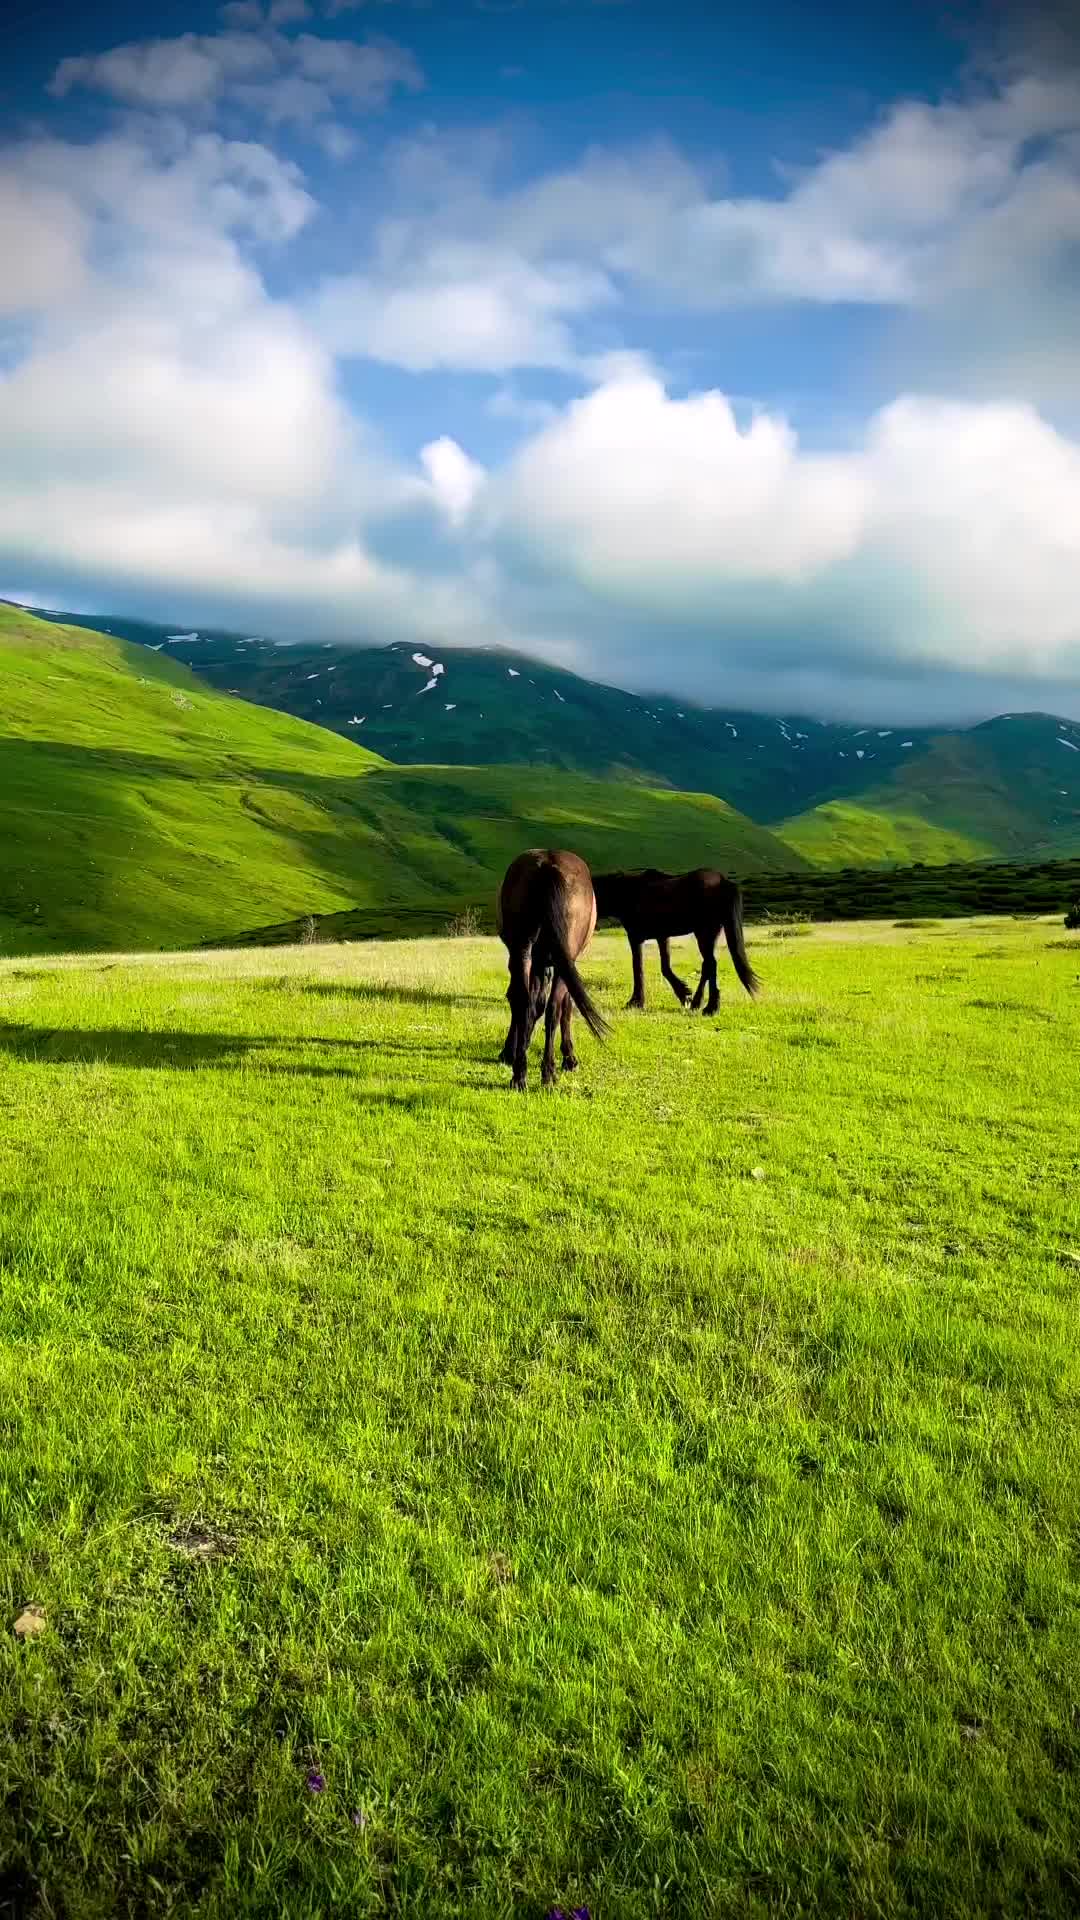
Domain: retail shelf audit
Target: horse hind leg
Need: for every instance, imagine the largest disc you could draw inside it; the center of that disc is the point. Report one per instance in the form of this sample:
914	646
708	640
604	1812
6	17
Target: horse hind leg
699	990
506	1057
707	949
533	985
547	1077
707	943
569	1057
539	988
520	1028
637	998
678	987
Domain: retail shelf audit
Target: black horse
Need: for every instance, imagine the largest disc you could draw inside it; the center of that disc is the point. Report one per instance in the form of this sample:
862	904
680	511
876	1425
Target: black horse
547	916
657	906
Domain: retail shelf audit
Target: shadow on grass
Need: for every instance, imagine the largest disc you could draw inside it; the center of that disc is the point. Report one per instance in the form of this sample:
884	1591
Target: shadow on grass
194	1052
378	990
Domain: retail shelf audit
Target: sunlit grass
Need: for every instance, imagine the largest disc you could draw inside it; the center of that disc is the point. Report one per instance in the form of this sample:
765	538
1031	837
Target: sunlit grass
662	1494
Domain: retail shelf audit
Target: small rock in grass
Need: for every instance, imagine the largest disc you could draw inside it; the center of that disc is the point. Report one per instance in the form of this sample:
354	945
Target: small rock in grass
30	1623
757	1173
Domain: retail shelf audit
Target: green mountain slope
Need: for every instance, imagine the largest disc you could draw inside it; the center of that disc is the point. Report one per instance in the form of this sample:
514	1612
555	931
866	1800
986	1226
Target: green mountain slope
1010	787
141	808
839	834
1009	782
491	707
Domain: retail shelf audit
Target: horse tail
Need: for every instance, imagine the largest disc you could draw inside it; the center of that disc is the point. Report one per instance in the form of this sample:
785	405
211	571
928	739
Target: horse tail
733	930
555	935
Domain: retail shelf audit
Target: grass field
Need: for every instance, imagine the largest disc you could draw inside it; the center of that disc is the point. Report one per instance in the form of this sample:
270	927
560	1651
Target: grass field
661	1495
140	808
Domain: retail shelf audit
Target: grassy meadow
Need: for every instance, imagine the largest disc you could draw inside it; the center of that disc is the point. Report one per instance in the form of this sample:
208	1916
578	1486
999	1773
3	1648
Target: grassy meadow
661	1495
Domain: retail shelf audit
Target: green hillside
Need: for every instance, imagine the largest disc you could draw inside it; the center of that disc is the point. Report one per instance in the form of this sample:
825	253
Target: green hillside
840	834
1011	785
490	707
1009	788
141	808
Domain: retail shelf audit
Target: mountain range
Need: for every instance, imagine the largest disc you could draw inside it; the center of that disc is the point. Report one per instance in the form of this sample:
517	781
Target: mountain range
1008	788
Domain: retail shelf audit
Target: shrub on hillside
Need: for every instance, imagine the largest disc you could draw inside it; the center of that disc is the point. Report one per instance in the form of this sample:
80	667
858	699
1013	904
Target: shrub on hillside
1072	918
464	925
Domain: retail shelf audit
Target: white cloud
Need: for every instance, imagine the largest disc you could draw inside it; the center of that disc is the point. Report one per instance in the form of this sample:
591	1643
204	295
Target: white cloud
955	211
171	430
982	504
950	537
335	140
189	71
638	493
506	403
43	238
878	221
174	436
298	79
333	8
456	480
469	306
136	197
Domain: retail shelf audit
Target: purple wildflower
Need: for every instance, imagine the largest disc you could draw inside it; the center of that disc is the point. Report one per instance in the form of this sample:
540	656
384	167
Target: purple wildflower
359	1818
315	1782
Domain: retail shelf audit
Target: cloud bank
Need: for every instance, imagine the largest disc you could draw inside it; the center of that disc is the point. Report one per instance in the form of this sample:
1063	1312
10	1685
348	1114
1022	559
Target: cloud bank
180	436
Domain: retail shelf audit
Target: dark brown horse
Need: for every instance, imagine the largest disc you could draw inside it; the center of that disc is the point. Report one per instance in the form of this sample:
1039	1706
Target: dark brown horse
657	906
547	915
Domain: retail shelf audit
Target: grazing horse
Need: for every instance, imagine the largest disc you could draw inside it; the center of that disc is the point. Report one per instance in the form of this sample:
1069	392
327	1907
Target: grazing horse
547	915
656	906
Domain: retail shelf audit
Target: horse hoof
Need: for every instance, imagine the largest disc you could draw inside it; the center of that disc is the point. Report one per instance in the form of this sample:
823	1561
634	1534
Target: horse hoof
517	1085
570	1063
635	1006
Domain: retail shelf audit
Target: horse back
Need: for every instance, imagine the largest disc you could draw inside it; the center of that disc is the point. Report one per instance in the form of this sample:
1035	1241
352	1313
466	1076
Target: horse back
534	882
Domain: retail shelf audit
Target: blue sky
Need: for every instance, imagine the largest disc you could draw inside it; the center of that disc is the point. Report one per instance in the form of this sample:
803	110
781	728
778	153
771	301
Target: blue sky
724	352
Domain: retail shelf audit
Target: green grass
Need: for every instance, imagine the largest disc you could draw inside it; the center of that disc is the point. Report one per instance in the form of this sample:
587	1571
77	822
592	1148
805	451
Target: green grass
840	834
605	1523
140	808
